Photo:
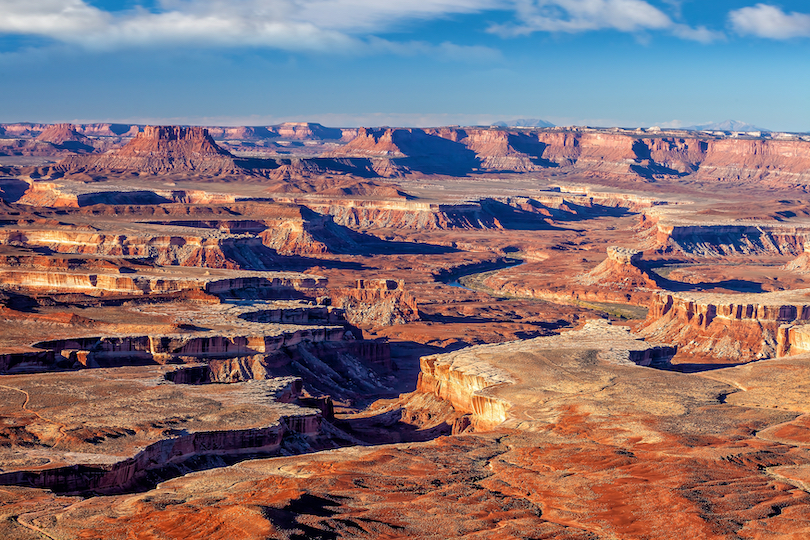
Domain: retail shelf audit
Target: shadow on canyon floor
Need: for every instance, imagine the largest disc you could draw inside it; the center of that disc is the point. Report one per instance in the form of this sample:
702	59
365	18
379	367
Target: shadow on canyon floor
689	367
735	285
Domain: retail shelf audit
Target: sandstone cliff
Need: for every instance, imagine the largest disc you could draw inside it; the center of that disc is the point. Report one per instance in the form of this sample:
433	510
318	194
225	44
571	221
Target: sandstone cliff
669	232
592	153
60	134
623	275
377	303
801	264
727	327
160	150
478	381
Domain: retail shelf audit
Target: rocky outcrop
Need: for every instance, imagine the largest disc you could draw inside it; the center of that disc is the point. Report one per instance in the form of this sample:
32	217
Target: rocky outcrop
306	131
624	273
265	284
508	213
589	152
478	380
62	134
25	361
297	428
109	351
160	150
671	233
382	302
75	195
212	249
728	327
800	264
29	130
793	339
390	152
460	380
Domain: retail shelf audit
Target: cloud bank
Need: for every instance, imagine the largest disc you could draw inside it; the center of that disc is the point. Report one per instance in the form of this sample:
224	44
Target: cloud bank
768	21
349	25
302	25
573	16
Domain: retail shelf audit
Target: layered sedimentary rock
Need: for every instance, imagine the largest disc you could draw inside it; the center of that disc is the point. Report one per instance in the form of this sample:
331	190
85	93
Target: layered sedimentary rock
120	450
60	134
312	234
521	213
306	130
728	327
479	381
160	150
77	195
261	283
382	302
396	151
190	347
677	231
801	264
402	214
793	339
623	272
211	249
29	130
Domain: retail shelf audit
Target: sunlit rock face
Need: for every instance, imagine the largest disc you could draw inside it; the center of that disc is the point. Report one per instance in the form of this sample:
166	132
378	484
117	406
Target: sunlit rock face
160	150
483	382
730	327
382	302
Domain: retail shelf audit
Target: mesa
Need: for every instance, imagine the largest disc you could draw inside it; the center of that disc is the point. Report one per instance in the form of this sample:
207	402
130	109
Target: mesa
297	331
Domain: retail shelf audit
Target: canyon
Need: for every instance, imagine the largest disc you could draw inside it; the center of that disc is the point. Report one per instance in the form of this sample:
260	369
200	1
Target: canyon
297	331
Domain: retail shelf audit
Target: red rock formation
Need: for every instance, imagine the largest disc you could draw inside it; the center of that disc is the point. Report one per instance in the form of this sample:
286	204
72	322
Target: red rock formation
60	134
801	264
722	239
727	327
306	131
160	150
404	214
381	302
793	339
241	132
622	272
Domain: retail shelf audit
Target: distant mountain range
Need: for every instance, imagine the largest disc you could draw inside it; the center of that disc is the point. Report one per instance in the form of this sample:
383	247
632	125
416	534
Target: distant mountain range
523	122
727	125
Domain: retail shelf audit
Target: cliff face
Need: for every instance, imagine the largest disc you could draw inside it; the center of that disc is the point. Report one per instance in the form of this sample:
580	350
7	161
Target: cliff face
622	276
793	340
772	162
283	426
229	251
519	213
160	150
392	152
597	154
377	303
801	264
65	136
177	348
210	249
725	239
727	327
493	383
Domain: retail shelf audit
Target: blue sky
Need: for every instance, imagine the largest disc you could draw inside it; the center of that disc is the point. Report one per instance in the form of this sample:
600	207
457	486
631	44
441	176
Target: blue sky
409	62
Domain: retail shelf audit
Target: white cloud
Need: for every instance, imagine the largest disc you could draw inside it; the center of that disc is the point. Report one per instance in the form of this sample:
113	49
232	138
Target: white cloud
319	25
58	18
572	16
700	33
768	21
